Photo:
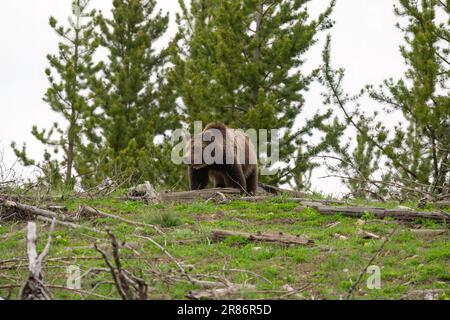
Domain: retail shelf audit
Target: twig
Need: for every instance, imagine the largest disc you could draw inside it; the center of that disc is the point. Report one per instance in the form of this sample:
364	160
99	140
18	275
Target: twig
71	225
57	287
218	235
250	272
167	253
129	286
85	210
355	285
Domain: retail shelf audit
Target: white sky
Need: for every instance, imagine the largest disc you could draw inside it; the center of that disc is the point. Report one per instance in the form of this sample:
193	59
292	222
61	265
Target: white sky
365	42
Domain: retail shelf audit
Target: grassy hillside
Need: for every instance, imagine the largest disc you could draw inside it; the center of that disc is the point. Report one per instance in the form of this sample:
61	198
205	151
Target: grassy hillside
324	270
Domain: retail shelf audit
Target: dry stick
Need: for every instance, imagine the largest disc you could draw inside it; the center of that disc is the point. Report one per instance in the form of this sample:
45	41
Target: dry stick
218	235
92	270
167	253
79	291
355	167
17	197
391	184
249	272
295	291
219	291
353	287
58	259
224	283
222	199
93	211
34	288
203	283
213	293
71	225
124	280
98	284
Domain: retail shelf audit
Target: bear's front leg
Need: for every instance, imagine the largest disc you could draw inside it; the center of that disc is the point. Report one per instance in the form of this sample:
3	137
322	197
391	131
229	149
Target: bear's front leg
235	177
198	178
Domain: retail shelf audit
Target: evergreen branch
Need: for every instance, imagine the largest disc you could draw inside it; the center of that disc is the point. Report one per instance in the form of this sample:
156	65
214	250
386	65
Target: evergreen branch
337	95
442	58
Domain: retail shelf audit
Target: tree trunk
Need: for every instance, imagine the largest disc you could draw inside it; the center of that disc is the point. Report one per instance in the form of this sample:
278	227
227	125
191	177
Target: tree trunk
257	51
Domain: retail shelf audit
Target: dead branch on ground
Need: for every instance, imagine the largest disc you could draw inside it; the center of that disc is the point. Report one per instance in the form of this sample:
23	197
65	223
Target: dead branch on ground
398	214
9	207
167	253
89	211
372	259
224	283
219	235
34	288
71	225
215	293
128	285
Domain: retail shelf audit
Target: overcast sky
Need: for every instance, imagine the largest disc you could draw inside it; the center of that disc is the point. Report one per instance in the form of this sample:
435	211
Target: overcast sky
365	42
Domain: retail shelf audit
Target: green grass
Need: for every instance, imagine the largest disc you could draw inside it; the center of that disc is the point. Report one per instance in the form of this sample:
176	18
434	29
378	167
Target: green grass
328	268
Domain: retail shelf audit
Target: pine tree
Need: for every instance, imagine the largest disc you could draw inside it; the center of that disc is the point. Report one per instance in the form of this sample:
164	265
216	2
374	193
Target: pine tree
67	75
416	154
240	62
356	159
132	102
420	150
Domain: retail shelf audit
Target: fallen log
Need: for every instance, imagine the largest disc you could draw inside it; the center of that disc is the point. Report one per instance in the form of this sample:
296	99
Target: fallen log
442	204
8	204
195	195
34	198
305	201
235	194
219	235
398	214
428	232
146	192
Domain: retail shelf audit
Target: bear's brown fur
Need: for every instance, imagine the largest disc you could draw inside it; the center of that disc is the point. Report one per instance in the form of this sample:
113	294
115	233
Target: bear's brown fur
241	169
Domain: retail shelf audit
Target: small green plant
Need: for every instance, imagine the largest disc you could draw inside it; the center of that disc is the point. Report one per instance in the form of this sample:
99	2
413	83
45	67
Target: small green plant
235	241
368	216
166	219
